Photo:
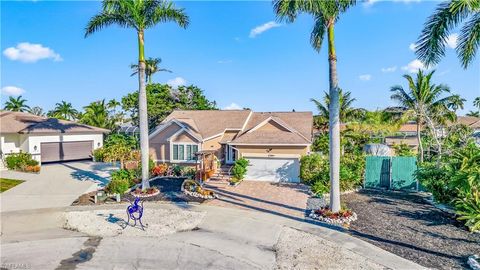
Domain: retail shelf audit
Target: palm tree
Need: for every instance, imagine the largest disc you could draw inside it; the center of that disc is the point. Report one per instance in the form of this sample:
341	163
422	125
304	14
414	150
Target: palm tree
139	15
96	114
474	113
476	102
425	101
16	104
37	111
326	14
152	66
456	103
63	110
347	113
430	47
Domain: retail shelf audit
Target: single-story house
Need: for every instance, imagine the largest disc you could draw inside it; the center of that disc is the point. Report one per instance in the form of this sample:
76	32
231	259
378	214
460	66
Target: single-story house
47	139
273	142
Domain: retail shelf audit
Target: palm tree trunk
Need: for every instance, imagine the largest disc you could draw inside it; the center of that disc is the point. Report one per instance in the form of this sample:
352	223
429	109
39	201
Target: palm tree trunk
419	140
142	112
334	121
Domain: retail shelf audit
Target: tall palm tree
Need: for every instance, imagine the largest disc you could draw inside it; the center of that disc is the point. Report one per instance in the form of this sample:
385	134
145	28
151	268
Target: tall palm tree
152	66
139	15
456	103
96	114
16	104
430	46
325	14
347	112
424	99
37	111
63	110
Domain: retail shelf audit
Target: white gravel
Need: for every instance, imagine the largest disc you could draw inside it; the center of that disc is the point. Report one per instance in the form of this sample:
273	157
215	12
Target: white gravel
158	222
300	250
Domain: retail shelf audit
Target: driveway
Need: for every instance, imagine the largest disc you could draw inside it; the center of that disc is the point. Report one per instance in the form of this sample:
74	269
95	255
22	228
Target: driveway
287	200
57	185
226	238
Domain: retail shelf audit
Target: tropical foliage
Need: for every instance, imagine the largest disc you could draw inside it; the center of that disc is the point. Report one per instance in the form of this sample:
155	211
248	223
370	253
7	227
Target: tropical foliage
17	104
162	99
63	110
456	181
37	111
326	14
97	114
426	101
22	162
430	46
139	15
152	66
347	112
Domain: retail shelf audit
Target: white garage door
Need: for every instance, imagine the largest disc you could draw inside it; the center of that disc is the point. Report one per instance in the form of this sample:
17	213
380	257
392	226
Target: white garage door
273	169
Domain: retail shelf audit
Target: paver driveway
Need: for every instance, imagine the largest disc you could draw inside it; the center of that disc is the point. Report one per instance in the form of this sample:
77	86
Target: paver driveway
57	185
288	200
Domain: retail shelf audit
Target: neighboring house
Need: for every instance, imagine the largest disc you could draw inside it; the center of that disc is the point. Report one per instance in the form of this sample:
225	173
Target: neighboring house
408	132
47	139
273	142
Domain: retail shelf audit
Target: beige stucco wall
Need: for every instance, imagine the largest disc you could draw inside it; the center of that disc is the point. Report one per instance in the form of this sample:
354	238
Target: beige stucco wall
246	150
214	144
159	146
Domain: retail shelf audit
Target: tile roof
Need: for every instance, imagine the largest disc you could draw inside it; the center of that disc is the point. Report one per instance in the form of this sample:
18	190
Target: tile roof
26	123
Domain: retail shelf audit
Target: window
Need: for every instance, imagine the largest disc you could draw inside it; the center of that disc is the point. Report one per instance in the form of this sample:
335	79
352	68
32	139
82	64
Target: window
184	152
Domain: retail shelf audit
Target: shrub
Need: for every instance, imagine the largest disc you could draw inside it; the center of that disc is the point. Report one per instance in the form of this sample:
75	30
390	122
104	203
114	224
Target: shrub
468	210
403	150
119	186
239	169
177	170
128	175
121	139
20	161
99	154
436	180
188	172
159	170
315	171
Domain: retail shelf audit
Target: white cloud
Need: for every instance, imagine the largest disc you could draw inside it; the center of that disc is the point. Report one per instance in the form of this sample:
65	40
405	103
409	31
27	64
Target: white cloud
412	46
414	66
365	77
12	91
389	69
176	82
452	40
262	28
226	61
30	53
232	106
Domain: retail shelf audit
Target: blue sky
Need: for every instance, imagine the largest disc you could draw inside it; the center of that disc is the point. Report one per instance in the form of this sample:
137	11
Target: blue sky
45	55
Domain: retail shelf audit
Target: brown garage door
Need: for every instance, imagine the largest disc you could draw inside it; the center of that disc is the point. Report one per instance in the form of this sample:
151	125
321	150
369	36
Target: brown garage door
63	151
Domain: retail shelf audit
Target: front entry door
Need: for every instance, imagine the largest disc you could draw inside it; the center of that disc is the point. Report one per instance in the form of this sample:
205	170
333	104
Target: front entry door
230	154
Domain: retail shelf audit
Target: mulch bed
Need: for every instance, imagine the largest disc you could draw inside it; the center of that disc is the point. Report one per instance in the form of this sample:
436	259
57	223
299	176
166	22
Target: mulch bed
170	190
402	223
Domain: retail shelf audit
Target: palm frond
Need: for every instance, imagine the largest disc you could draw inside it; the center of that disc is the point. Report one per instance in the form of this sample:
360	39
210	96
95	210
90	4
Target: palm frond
430	46
318	32
469	40
105	19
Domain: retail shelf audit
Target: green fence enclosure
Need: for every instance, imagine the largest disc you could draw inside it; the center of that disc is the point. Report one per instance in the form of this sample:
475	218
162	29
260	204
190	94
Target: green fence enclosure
391	172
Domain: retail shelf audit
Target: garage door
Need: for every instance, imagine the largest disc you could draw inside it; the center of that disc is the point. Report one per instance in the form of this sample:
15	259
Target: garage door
273	169
64	151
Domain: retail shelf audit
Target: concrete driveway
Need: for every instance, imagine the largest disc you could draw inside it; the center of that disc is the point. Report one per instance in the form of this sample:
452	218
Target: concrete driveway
226	238
57	185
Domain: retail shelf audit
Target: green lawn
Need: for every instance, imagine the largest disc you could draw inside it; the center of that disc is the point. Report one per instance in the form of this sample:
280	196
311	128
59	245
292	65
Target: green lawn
6	184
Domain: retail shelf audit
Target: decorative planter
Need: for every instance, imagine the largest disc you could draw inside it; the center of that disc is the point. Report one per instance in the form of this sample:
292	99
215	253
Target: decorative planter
198	195
145	195
334	221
